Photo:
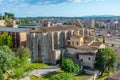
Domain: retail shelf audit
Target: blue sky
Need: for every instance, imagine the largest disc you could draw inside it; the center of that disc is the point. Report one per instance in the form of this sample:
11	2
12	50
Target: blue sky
67	8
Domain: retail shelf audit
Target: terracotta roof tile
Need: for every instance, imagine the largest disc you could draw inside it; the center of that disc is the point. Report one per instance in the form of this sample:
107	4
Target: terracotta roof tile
58	28
84	47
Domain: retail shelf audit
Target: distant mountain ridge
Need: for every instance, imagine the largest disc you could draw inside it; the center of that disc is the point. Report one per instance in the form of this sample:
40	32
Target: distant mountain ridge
97	16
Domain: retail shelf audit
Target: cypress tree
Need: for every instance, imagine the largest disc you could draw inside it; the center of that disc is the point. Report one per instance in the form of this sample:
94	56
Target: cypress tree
1	75
61	60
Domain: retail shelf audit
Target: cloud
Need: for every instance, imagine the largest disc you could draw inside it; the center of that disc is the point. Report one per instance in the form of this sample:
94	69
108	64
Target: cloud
38	2
80	0
15	4
100	0
23	3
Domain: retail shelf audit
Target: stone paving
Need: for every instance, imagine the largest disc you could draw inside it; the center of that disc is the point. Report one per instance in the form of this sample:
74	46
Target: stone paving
41	72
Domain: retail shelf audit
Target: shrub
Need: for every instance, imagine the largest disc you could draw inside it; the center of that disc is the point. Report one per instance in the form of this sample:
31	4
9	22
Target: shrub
1	75
62	76
19	67
23	52
6	39
18	73
61	59
69	66
6	56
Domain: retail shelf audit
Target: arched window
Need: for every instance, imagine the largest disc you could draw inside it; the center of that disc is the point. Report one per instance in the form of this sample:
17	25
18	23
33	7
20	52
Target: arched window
81	60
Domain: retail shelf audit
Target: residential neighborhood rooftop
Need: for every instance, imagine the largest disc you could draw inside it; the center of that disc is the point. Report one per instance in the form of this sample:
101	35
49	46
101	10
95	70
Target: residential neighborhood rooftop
96	44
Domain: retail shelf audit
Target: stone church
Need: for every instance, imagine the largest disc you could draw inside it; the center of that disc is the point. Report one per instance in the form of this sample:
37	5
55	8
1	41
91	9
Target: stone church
46	43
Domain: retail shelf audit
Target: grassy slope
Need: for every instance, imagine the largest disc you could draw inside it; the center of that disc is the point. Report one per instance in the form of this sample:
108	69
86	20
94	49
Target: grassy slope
82	76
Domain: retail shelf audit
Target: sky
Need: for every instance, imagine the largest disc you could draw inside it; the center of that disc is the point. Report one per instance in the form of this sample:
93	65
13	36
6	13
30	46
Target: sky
60	8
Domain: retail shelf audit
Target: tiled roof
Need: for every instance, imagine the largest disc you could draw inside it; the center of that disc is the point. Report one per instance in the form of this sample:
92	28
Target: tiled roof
77	36
84	47
88	39
96	44
89	53
58	28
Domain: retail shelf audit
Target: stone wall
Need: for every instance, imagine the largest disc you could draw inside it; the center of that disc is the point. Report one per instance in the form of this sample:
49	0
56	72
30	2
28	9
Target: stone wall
43	44
87	60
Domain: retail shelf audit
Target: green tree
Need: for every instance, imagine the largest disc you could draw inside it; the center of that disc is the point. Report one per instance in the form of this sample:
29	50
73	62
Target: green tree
20	62
6	39
7	22
61	59
23	52
18	22
63	76
99	27
1	75
8	15
106	60
1	16
19	67
70	66
6	56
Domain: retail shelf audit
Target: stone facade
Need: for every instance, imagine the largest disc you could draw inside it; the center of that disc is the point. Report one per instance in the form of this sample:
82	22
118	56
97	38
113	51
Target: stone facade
85	57
44	42
84	51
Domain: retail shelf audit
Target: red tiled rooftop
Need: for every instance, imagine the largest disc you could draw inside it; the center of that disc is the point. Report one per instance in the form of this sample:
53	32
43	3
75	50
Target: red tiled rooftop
57	28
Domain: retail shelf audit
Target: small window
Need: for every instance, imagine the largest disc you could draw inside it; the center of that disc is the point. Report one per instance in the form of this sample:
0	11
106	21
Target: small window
77	43
89	58
112	45
81	59
72	43
77	56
